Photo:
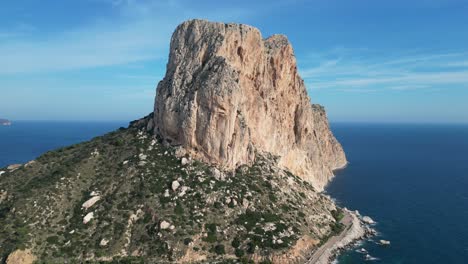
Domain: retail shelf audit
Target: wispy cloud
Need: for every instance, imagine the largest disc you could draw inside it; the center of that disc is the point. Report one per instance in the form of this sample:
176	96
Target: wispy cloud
141	33
344	71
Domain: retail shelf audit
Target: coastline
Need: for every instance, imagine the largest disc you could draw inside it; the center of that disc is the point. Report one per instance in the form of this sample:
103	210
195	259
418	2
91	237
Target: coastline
355	230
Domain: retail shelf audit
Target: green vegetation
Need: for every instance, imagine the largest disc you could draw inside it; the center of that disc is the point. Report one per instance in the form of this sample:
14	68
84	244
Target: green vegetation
257	209
239	252
338	214
219	249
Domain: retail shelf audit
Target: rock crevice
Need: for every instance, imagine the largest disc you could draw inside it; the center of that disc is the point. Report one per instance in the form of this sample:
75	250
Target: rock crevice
228	93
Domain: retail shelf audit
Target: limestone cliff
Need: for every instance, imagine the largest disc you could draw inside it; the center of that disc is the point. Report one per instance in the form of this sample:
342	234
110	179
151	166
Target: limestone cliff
229	93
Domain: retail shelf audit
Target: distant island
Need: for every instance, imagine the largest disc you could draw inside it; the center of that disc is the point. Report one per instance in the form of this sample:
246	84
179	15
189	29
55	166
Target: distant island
5	122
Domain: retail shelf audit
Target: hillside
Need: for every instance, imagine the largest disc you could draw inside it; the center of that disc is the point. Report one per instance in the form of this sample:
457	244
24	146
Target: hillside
144	203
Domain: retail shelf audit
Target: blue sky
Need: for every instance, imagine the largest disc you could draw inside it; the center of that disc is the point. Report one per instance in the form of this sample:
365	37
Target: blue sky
366	61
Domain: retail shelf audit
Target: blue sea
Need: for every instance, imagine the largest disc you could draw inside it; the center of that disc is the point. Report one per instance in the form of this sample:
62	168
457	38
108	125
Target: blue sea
26	140
411	179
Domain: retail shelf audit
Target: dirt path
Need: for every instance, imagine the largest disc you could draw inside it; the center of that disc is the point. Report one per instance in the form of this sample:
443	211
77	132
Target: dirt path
347	221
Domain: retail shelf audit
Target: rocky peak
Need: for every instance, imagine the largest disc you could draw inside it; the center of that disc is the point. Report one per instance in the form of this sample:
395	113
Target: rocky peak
229	93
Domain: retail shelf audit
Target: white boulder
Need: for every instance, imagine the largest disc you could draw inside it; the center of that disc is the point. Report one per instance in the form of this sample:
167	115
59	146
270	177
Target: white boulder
175	185
104	242
164	225
13	167
91	202
88	218
384	242
183	190
368	220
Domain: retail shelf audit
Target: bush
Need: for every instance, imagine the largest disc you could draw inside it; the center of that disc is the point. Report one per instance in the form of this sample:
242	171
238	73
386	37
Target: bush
187	241
336	228
250	248
219	249
179	209
337	214
52	240
235	243
239	252
211	230
245	260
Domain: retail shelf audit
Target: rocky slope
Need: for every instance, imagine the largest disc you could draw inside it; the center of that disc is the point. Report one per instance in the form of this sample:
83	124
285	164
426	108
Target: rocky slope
228	93
126	198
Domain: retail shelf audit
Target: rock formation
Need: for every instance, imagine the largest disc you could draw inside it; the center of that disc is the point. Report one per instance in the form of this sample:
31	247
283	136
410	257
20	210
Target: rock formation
229	93
5	122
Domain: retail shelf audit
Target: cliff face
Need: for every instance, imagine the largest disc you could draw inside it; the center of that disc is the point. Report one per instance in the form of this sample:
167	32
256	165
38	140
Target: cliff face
229	93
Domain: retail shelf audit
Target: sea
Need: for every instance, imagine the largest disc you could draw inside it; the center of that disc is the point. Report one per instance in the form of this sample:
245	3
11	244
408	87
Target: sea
411	179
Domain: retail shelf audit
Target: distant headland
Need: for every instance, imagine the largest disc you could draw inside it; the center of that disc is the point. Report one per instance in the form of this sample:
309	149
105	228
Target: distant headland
5	122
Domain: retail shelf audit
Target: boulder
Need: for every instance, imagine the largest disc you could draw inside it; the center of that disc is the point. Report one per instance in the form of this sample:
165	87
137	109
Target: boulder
91	202
368	220
88	218
384	242
13	167
21	257
164	225
175	185
104	242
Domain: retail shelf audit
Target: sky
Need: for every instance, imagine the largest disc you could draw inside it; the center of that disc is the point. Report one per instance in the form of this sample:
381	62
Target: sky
364	60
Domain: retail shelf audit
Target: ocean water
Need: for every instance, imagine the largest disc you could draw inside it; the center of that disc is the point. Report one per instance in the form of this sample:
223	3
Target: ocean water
26	140
411	179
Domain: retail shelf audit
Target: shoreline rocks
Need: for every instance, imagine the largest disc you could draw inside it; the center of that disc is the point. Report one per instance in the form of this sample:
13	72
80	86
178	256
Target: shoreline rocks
13	167
384	242
368	220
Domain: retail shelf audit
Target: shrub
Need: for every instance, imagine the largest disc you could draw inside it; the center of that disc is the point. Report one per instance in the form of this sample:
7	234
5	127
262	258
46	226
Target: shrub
219	249
235	243
250	248
179	209
337	214
52	240
211	230
239	252
187	241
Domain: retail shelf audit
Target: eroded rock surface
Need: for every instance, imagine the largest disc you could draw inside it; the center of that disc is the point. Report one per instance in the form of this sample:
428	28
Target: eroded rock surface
228	93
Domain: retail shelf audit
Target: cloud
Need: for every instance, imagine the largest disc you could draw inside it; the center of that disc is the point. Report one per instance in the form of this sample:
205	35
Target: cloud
140	32
344	71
